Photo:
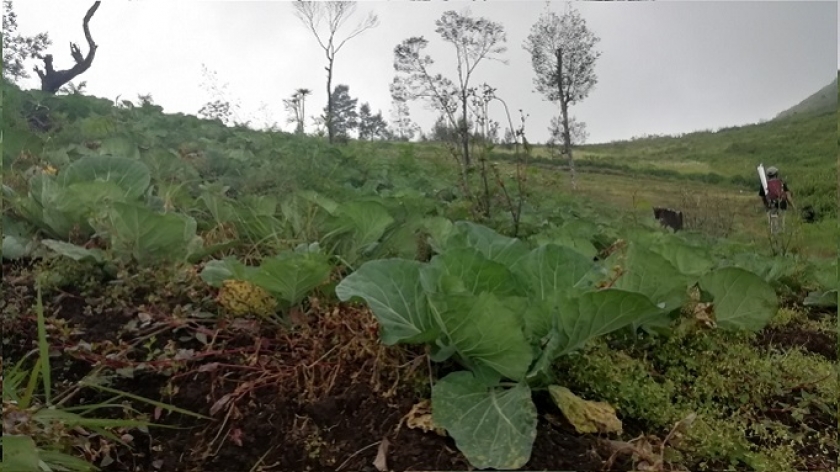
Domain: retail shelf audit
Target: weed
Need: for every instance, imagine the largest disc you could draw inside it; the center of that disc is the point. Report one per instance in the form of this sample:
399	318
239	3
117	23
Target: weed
709	213
42	433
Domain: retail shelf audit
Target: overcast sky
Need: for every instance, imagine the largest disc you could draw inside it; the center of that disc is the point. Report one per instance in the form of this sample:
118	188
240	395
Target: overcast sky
666	67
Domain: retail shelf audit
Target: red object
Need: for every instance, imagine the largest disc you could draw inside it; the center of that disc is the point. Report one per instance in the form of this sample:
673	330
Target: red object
775	190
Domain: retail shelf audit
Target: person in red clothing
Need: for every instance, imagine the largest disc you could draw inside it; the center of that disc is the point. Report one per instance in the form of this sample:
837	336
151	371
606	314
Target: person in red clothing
778	194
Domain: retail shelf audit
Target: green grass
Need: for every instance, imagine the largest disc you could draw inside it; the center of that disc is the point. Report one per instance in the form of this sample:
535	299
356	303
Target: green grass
802	146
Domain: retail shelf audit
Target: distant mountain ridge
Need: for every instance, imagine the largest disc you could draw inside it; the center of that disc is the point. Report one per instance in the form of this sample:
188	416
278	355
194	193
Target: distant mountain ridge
823	101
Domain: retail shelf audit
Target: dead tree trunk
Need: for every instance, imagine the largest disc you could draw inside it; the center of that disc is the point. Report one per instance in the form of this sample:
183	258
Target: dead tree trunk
51	79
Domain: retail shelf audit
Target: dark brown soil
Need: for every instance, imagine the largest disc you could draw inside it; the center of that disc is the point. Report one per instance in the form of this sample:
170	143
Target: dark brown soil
789	336
321	397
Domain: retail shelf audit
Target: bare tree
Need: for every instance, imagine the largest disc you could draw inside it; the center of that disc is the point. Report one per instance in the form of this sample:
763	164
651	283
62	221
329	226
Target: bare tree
296	107
221	107
51	79
474	39
334	14
563	56
404	127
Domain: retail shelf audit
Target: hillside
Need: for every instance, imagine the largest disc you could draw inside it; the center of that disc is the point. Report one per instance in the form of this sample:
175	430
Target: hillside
232	285
822	101
803	148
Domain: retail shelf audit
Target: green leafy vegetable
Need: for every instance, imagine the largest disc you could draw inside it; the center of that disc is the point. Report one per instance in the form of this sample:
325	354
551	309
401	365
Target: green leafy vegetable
742	300
129	174
493	427
392	289
77	253
148	236
292	275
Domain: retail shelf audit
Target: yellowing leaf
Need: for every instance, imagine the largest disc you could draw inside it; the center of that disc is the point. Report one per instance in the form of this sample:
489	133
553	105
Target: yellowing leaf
586	416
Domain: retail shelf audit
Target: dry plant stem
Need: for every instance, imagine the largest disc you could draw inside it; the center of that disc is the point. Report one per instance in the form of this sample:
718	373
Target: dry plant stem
464	178
486	203
67	396
811	383
346	461
521	165
657	463
514	211
261	459
222	427
521	168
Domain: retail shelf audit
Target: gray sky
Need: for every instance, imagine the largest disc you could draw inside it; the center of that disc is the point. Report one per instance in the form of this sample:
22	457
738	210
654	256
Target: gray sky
666	67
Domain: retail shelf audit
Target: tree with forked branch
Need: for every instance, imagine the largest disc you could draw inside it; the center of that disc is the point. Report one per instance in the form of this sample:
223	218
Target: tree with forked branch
52	80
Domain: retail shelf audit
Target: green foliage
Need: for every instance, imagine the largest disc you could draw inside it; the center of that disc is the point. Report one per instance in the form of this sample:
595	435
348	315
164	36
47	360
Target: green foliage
130	175
356	227
345	117
820	102
802	148
17	49
61	272
827	299
147	236
63	206
719	376
289	276
653	275
741	299
654	272
515	313
491	425
371	126
505	311
18	239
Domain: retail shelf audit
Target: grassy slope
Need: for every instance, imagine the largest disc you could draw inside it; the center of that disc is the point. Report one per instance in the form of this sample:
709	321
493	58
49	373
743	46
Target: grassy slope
795	146
698	172
802	147
822	101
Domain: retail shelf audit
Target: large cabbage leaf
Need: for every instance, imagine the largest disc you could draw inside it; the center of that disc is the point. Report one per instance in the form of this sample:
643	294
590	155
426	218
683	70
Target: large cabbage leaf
493	427
392	289
148	236
130	174
742	300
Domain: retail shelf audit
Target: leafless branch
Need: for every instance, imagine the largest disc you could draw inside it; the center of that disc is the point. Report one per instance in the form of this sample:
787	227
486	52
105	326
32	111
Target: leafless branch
52	80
